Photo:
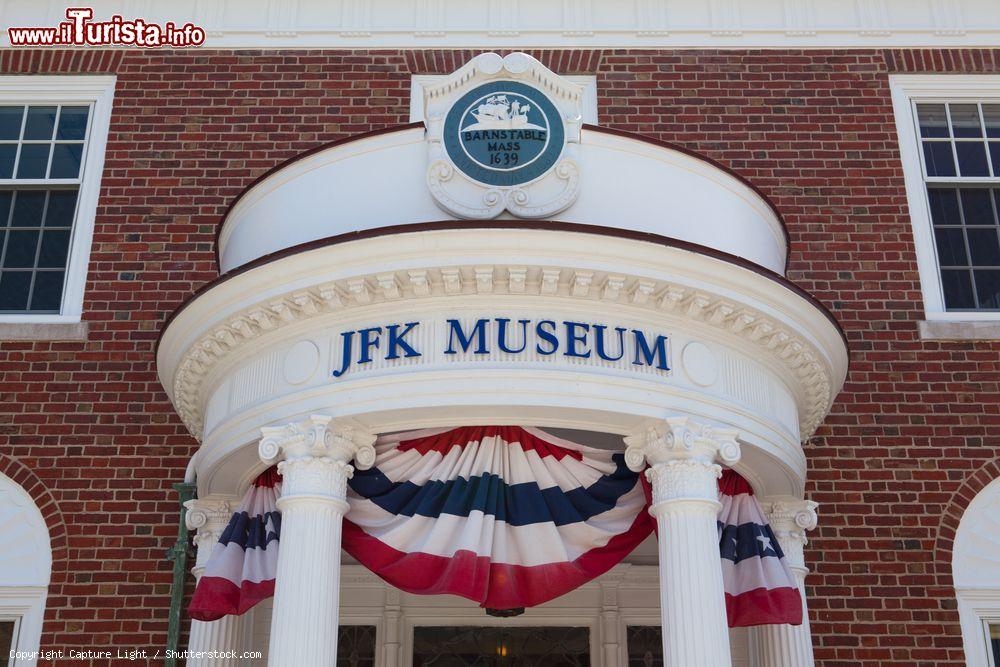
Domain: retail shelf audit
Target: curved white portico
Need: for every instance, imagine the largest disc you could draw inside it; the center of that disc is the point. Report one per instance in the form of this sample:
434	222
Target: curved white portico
648	304
743	349
626	182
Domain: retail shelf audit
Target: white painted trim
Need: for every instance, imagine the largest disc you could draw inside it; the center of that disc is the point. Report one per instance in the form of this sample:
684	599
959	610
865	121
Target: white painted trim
907	89
28	604
85	89
418	82
490	24
976	608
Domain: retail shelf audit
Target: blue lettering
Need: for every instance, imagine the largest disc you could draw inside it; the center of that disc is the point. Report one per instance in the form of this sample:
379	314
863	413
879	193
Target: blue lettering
397	340
546	336
502	323
599	330
345	355
456	332
576	332
368	343
648	354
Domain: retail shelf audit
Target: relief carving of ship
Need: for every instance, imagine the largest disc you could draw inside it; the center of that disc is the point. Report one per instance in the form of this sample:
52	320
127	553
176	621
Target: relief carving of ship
499	113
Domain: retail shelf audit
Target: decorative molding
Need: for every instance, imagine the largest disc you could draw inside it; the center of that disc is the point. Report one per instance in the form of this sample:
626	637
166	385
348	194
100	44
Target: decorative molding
209	517
791	520
771	337
681	454
554	191
557	23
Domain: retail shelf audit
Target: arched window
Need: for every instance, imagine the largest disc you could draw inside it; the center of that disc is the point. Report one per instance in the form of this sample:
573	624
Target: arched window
976	570
25	566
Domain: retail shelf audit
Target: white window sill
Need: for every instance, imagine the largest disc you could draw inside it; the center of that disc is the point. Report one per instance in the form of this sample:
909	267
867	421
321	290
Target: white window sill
27	331
959	329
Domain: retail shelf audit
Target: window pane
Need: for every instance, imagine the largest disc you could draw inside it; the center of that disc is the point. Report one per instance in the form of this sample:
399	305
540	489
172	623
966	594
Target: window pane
66	160
645	646
995	642
40	123
10	122
72	123
356	646
62	204
976	206
28	208
933	121
7	154
991	116
14	286
957	289
21	247
8	636
47	294
995	157
34	160
972	158
951	247
55	246
965	120
528	646
938	158
944	206
6	198
984	244
988	288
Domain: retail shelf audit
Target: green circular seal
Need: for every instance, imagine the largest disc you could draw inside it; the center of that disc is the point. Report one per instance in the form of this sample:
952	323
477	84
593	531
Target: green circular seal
504	133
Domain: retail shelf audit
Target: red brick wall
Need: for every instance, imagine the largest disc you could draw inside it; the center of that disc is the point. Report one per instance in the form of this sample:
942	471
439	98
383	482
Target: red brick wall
86	428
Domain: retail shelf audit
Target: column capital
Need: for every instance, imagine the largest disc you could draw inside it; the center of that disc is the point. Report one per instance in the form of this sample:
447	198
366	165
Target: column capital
315	456
790	519
209	518
682	456
318	436
680	439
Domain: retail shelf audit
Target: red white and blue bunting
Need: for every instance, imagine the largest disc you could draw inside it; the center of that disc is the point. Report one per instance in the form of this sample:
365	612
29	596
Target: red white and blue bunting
506	516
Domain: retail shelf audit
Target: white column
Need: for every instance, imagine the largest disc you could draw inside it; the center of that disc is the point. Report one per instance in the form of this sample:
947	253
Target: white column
315	466
611	616
683	472
787	645
228	636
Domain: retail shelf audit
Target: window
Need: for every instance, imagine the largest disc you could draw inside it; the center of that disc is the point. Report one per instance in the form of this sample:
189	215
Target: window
949	144
645	646
489	646
994	637
8	638
356	646
960	146
52	136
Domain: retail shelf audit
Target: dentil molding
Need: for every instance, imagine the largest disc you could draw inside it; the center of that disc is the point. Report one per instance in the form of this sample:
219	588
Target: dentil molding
265	319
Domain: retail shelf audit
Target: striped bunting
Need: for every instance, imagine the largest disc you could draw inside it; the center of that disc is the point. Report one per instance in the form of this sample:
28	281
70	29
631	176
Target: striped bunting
506	516
241	570
503	515
760	587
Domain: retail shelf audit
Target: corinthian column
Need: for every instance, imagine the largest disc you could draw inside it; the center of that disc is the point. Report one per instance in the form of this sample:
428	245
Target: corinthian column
787	645
315	456
681	455
213	643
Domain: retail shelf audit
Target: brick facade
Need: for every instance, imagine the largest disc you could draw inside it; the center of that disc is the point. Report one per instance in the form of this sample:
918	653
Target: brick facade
87	430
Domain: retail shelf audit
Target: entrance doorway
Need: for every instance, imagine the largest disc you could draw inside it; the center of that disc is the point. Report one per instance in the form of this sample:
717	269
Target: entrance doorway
461	646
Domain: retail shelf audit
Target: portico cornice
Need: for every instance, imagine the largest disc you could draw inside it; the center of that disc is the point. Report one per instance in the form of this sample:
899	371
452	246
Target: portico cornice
682	287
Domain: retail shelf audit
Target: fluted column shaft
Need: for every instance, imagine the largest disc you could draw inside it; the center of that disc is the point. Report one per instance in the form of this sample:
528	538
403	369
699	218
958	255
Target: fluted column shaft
787	645
315	465
683	473
213	643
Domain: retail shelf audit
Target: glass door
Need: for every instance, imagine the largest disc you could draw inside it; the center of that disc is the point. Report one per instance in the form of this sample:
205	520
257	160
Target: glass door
465	646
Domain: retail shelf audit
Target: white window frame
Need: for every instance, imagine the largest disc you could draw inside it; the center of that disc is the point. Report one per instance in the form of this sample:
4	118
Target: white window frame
907	90
72	89
420	81
27	605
